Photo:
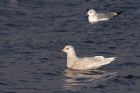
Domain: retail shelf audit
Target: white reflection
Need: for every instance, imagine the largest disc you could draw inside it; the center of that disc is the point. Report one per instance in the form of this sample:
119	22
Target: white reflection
12	3
77	79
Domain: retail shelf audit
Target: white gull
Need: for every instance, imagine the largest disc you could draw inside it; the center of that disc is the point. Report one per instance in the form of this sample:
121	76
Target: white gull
82	63
94	17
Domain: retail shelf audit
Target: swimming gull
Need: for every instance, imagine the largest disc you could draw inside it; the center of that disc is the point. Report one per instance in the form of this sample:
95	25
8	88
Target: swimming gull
82	63
94	17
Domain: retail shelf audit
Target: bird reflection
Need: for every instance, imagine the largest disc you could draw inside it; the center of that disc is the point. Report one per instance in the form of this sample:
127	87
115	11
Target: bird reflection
75	79
12	3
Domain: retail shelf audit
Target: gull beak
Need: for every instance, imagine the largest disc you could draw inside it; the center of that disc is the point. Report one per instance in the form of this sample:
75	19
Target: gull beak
63	50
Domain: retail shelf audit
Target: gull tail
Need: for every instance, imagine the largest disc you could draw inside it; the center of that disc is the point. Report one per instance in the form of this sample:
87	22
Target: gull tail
110	59
106	61
118	13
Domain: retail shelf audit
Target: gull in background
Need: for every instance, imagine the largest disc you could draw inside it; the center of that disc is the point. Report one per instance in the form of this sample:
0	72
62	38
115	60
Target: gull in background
94	17
83	63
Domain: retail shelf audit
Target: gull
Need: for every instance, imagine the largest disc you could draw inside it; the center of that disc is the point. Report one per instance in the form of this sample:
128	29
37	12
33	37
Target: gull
83	63
94	17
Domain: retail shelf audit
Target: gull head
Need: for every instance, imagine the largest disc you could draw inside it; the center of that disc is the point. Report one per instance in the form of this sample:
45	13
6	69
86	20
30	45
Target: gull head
68	49
91	12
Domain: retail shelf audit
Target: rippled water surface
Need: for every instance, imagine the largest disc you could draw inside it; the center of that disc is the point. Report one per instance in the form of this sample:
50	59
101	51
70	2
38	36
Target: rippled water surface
33	33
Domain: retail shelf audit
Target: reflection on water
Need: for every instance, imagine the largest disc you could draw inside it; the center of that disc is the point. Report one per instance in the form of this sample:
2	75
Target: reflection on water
75	79
12	3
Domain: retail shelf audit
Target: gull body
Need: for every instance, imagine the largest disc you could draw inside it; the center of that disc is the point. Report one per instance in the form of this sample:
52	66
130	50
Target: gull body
81	63
94	17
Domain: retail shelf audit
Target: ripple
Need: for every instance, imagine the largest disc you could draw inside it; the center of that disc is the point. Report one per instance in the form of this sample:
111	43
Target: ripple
43	59
23	81
61	30
36	46
109	53
3	66
137	55
50	74
129	64
3	82
10	92
10	13
122	82
126	80
89	42
112	48
101	86
11	25
131	77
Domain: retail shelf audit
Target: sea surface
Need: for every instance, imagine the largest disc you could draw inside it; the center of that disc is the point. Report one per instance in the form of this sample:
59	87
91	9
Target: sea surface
33	33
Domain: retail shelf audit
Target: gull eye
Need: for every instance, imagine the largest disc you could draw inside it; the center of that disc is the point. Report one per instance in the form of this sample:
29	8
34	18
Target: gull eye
67	48
90	12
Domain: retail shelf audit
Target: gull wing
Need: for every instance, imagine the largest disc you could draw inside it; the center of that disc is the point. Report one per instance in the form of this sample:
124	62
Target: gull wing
106	15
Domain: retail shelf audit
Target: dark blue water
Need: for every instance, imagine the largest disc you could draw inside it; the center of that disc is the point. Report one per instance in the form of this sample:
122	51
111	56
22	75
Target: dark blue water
33	33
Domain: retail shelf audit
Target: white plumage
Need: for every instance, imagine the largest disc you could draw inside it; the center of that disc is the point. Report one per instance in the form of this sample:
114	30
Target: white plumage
82	63
93	16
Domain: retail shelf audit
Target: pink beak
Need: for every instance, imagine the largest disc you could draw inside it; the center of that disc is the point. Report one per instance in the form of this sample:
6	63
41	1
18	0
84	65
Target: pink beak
63	50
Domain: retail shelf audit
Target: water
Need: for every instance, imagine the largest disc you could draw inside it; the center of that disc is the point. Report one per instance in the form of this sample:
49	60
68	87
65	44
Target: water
33	33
